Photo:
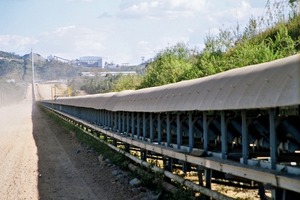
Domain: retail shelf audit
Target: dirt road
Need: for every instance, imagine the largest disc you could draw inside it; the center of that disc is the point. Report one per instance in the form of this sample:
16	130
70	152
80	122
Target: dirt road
18	152
39	160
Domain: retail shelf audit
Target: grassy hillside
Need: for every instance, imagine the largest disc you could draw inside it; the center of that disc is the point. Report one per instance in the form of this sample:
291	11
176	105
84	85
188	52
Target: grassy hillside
265	38
12	78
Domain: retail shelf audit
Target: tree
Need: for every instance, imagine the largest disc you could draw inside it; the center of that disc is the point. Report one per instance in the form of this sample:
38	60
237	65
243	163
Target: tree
168	66
126	82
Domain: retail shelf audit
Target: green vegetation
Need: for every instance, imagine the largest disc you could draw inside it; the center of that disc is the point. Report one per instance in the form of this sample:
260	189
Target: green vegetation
55	70
128	82
272	36
9	62
169	66
12	78
97	85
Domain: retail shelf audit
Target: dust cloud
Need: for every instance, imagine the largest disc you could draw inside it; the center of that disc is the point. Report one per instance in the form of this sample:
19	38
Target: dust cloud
18	151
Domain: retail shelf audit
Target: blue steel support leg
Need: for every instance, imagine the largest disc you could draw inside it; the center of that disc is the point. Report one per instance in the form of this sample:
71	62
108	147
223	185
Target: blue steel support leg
138	119
178	132
123	122
168	130
127	146
151	127
200	171
144	154
113	122
83	114
116	121
115	143
223	136
159	128
276	193
119	123
88	114
109	119
94	120
205	133
261	191
103	118
144	126
207	172
99	117
245	142
273	139
132	125
94	117
128	123
208	175
191	135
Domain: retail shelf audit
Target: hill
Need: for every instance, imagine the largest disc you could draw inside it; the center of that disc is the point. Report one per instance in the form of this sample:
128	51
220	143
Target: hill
265	38
6	55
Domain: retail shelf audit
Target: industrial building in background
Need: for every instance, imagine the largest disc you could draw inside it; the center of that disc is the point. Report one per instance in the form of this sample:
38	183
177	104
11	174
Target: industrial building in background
90	61
87	61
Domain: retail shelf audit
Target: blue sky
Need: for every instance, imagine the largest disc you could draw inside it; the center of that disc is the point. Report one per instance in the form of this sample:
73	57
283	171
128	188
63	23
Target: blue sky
122	31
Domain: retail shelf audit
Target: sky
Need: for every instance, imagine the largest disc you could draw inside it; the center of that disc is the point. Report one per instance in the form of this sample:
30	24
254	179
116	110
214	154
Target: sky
119	31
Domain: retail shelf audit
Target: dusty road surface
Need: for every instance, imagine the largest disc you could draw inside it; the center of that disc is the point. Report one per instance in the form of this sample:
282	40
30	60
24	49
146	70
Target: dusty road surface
40	160
18	152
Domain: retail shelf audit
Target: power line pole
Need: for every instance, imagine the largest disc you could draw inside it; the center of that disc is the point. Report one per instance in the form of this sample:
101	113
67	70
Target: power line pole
33	86
32	65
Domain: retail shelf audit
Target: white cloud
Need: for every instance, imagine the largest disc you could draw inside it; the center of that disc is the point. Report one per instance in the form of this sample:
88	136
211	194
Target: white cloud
105	15
73	42
149	49
162	8
61	31
215	13
143	43
16	43
144	49
234	12
191	5
82	0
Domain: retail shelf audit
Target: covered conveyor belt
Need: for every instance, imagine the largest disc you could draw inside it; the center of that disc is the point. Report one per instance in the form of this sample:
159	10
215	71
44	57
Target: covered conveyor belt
241	125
